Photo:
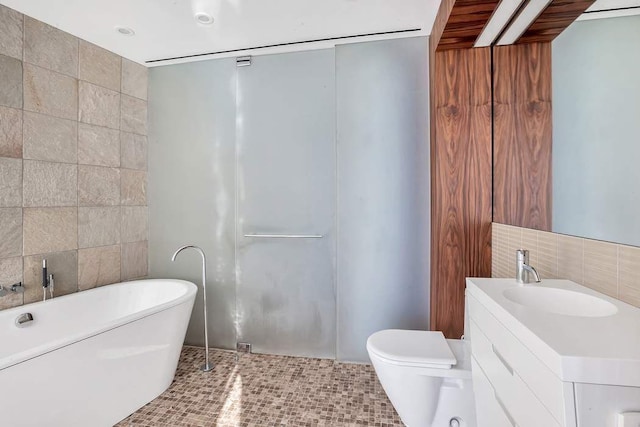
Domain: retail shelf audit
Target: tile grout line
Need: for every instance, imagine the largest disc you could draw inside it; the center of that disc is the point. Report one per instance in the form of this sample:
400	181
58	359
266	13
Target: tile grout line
22	150
22	112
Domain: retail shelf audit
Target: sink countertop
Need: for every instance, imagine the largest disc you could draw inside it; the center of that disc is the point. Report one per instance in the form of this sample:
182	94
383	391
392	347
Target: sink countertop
596	350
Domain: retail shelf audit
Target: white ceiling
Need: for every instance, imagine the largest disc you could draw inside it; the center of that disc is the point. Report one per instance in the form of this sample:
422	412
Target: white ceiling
611	9
167	28
613	4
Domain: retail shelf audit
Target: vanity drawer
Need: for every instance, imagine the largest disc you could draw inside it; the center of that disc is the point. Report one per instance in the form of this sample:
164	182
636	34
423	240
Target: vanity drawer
548	388
489	413
523	407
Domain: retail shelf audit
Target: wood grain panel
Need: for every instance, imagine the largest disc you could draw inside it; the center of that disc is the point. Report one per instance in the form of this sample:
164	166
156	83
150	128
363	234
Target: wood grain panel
465	23
434	81
461	181
553	20
441	21
522	191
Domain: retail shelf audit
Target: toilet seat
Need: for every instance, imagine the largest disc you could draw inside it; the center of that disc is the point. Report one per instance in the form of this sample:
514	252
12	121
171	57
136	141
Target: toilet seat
423	349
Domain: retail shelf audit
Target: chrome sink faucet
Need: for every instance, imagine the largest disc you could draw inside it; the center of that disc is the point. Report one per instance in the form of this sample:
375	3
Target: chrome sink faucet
523	269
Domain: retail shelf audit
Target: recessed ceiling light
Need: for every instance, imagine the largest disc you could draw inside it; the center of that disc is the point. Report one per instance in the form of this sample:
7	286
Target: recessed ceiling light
204	18
125	31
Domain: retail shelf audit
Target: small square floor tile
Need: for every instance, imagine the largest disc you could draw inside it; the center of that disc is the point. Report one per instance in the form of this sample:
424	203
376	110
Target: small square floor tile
267	390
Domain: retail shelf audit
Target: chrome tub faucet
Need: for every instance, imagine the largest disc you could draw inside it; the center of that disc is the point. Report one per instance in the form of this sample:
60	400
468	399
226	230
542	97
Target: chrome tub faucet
208	366
523	270
16	288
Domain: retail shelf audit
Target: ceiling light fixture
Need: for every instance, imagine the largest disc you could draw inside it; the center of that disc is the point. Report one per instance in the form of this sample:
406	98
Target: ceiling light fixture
204	18
498	21
125	31
523	21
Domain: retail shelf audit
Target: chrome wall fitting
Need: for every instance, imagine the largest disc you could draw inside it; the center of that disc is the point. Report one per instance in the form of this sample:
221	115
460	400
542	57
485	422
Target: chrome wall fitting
16	288
47	281
24	320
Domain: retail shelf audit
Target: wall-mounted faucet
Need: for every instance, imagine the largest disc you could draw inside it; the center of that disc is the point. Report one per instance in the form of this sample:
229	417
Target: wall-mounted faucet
16	288
47	281
523	269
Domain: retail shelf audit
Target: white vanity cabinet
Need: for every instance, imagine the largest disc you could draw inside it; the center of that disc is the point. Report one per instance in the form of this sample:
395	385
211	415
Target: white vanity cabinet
527	391
528	373
598	405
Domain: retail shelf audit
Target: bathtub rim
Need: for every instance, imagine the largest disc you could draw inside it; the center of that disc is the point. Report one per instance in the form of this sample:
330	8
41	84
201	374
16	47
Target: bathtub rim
31	353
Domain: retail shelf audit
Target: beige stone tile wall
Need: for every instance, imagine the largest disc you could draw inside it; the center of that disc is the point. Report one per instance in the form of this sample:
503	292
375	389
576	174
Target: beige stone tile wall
73	161
605	267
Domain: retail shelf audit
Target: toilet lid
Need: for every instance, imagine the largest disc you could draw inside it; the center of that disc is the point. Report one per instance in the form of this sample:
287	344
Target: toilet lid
425	348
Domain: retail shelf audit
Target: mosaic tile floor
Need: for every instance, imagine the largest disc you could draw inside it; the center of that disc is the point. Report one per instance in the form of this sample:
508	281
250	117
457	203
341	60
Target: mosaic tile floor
264	390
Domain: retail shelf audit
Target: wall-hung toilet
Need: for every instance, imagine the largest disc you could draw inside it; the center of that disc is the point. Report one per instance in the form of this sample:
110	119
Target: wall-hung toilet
426	377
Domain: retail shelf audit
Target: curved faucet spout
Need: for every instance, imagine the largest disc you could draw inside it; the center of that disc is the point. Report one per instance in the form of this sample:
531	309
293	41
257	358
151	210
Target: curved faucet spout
533	271
173	258
523	269
207	366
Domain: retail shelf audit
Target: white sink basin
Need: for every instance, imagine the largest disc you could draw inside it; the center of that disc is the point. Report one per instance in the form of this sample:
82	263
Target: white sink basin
560	301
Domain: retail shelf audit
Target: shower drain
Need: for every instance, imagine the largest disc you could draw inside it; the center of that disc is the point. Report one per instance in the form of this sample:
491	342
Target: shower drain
243	347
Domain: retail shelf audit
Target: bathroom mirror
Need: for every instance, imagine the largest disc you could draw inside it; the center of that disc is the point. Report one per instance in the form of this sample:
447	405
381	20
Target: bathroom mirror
596	130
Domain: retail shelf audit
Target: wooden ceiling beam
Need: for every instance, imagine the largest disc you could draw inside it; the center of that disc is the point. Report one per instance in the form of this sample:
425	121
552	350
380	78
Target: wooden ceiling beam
465	22
459	23
554	20
441	21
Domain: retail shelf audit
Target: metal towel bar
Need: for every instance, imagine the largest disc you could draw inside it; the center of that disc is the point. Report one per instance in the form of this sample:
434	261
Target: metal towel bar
285	236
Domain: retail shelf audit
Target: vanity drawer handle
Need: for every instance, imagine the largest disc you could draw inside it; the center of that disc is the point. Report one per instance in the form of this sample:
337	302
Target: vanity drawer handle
502	359
505	410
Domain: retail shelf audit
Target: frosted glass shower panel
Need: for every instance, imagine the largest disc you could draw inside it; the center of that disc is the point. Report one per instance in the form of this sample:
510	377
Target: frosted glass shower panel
383	177
191	192
286	204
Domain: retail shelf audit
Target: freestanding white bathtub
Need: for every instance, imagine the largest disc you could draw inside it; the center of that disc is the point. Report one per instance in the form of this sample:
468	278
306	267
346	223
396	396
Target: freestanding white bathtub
94	357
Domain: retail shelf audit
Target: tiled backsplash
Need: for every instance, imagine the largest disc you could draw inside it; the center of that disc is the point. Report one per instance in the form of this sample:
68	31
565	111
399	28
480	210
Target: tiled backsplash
605	267
73	161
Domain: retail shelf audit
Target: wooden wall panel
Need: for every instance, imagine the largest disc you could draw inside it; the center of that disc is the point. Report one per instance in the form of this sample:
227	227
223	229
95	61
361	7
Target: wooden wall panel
553	20
461	181
466	21
522	135
463	163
